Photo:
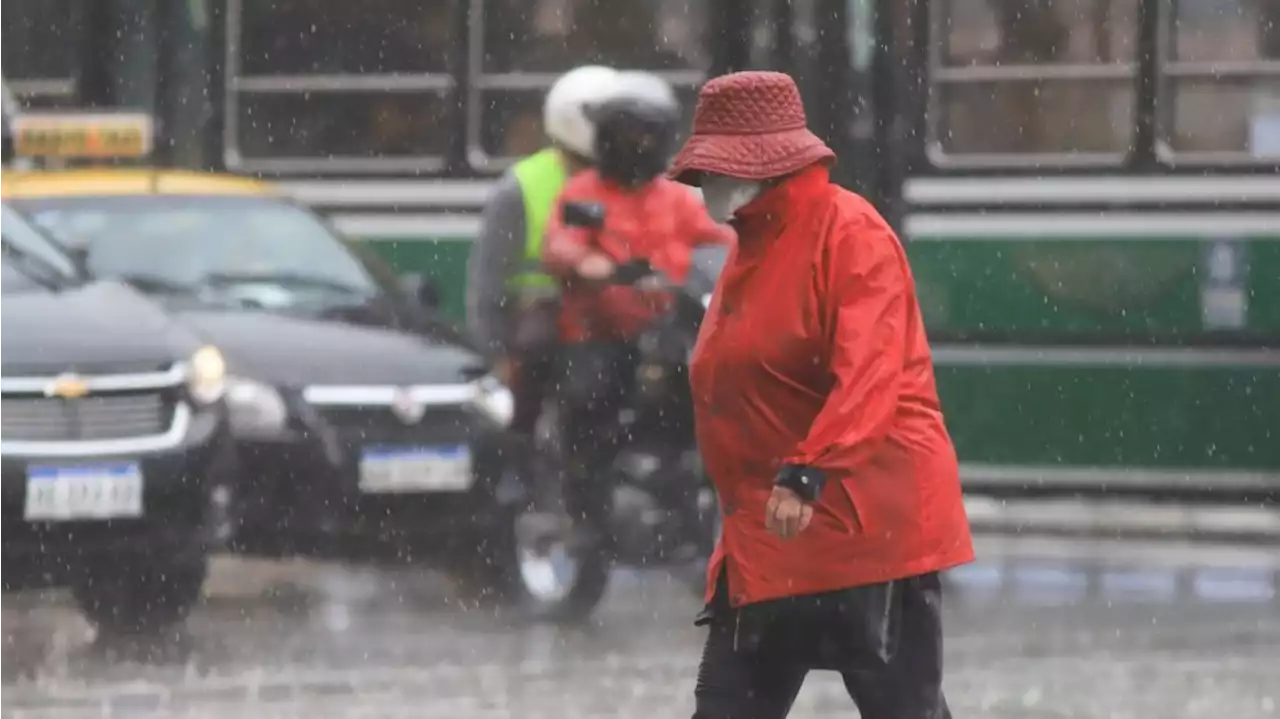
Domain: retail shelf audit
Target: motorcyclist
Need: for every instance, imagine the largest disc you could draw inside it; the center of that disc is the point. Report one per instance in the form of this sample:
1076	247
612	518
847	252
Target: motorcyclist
644	217
511	303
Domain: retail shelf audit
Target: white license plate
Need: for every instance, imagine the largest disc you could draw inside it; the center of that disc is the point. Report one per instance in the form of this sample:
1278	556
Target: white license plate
390	470
91	491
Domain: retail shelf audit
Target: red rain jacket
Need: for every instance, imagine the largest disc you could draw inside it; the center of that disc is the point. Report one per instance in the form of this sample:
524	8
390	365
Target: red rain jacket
661	222
813	352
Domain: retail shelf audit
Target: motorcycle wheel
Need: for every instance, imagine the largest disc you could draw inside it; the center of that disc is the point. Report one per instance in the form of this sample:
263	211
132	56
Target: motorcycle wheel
541	562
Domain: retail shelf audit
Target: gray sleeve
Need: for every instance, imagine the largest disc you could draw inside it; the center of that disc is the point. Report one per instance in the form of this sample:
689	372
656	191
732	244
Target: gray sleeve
495	258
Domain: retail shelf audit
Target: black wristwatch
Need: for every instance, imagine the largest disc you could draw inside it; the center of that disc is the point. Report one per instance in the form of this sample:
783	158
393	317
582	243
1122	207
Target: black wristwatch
805	481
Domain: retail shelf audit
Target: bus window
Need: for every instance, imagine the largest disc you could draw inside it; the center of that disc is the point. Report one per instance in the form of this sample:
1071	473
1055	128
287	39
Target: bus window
510	121
552	36
342	125
321	85
310	37
41	39
519	47
1032	81
1221	80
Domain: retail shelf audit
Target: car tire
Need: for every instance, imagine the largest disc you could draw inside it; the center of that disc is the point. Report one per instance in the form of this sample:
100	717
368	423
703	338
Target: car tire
146	597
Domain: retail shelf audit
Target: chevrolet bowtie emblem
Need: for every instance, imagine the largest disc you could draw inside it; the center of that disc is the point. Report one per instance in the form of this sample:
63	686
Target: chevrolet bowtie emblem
67	386
408	409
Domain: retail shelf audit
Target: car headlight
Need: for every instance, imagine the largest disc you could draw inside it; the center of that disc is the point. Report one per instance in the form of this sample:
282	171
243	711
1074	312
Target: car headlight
493	400
255	408
207	375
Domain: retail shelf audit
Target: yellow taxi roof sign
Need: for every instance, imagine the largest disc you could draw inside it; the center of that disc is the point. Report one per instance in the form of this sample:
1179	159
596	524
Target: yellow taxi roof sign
83	135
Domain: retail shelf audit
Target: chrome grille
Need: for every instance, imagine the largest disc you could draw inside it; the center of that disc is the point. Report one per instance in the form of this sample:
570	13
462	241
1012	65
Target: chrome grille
360	425
104	416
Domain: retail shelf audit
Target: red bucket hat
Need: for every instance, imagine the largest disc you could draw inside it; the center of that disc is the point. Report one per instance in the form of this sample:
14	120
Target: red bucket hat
748	125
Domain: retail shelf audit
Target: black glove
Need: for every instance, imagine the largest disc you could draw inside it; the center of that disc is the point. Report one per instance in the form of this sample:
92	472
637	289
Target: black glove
806	482
631	272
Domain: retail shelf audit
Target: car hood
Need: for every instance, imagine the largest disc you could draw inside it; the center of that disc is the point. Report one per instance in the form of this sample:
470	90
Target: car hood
99	327
296	351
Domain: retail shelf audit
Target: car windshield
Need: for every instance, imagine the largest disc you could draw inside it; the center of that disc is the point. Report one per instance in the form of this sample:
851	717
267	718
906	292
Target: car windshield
14	279
241	251
32	260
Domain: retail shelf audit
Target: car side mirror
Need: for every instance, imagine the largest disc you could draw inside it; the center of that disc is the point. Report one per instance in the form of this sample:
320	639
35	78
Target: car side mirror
585	215
422	289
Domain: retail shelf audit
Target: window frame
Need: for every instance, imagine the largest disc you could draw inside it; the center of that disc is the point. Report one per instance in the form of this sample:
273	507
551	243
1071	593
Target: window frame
1169	71
478	82
58	88
443	86
939	75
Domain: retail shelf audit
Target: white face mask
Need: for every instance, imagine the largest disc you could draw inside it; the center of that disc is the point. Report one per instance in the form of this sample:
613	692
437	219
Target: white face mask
724	196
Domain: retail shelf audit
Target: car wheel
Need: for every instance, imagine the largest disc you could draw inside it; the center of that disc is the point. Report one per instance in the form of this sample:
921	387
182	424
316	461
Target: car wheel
140	598
542	562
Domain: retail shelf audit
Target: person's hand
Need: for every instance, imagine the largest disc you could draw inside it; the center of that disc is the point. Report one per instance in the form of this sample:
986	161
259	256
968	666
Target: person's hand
595	267
786	514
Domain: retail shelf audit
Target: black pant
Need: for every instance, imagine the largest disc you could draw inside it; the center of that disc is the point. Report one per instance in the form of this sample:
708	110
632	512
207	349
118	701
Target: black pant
535	344
593	382
885	640
534	372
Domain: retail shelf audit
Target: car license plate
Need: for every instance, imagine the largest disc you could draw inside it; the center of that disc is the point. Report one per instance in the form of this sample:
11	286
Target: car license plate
90	491
416	469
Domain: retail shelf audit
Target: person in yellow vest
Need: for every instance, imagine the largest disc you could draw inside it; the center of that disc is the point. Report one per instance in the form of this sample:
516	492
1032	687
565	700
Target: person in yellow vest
511	303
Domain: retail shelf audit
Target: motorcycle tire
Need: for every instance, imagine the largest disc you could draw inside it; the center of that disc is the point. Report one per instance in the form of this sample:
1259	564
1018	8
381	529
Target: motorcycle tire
541	563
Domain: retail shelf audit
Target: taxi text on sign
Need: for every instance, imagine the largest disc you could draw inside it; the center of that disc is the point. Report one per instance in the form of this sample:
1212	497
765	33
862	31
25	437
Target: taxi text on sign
79	135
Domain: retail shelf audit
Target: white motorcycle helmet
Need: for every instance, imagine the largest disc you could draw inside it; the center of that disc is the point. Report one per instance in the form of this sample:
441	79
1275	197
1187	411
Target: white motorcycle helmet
565	116
647	87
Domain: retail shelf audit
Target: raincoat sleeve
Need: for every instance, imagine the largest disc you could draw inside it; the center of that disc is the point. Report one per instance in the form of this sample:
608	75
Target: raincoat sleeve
564	247
495	258
863	290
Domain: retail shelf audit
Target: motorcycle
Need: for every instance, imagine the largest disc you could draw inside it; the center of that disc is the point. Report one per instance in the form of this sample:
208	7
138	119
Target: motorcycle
664	510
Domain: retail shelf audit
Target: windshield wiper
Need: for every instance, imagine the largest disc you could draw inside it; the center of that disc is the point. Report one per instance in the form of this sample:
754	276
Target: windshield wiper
287	279
156	284
36	267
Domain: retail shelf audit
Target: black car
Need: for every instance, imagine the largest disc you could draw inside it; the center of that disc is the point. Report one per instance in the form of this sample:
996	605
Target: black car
117	454
367	427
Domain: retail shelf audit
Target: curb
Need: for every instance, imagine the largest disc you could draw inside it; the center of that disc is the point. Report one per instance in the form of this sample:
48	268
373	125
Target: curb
239	577
1233	522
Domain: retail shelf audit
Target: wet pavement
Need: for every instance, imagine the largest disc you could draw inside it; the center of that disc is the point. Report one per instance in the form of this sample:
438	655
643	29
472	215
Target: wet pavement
1037	629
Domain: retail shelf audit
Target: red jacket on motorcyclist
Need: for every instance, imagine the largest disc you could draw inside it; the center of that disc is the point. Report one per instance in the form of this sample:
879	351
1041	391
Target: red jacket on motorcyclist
645	217
511	304
636	215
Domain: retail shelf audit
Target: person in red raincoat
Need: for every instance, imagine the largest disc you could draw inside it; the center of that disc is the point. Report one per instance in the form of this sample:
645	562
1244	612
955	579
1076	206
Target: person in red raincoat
819	422
639	216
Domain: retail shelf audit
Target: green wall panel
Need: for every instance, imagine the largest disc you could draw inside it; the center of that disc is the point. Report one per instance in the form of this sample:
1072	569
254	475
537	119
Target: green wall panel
1077	287
1210	417
1203	417
444	260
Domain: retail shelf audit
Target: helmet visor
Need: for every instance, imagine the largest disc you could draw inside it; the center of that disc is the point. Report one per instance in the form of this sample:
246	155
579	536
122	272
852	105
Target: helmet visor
633	148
